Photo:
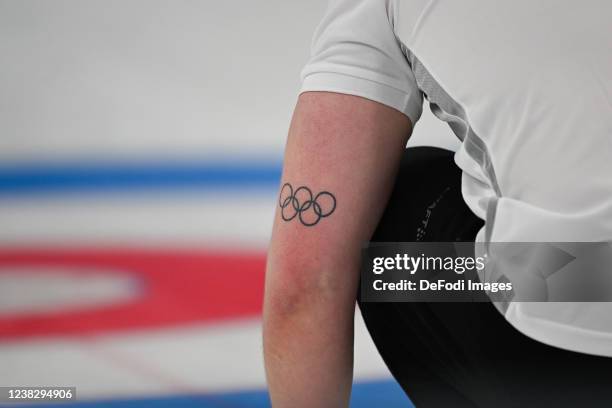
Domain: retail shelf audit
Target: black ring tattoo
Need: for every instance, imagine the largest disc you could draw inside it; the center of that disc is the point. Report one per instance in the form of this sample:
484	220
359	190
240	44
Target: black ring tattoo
301	203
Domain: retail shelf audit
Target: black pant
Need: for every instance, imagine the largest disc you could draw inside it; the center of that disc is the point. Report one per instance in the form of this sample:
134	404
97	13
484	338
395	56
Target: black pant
466	354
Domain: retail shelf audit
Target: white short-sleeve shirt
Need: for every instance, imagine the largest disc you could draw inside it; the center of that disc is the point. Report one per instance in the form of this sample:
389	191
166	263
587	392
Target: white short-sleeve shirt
527	88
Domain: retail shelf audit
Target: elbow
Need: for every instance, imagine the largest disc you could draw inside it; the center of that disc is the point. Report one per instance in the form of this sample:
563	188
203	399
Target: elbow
292	288
297	289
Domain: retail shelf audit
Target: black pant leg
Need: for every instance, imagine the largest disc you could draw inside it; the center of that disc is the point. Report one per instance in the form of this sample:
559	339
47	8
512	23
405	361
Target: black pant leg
466	354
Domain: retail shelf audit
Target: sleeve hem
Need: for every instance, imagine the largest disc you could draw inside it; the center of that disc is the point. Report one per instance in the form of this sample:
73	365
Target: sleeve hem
406	103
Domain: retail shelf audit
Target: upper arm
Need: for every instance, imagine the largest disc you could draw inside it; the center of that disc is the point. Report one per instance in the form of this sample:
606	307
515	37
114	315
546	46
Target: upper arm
340	161
348	132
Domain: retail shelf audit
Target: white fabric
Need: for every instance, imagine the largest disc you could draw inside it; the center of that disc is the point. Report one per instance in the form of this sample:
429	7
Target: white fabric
355	51
534	80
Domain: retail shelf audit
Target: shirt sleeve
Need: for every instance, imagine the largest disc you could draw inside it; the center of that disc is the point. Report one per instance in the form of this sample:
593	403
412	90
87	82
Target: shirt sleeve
355	51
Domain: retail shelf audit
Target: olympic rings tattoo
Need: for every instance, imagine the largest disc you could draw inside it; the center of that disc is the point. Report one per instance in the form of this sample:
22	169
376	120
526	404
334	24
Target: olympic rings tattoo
301	203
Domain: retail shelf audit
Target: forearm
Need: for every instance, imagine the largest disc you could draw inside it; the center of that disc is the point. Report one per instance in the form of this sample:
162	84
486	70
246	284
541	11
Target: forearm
309	346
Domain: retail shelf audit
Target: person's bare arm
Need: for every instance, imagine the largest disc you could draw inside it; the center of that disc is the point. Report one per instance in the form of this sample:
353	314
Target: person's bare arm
350	148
